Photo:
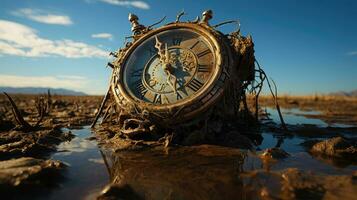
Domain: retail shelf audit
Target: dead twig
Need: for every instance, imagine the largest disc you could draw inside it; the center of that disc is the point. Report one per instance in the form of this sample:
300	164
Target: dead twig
108	112
274	95
49	101
105	99
257	90
24	125
17	114
41	107
156	23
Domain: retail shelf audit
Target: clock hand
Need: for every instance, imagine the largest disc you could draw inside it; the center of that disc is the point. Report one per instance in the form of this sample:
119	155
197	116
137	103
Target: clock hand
168	80
168	69
167	55
158	45
165	61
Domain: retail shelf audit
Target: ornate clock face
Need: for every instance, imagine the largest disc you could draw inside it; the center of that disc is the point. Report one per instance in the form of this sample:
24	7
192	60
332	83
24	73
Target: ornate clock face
169	67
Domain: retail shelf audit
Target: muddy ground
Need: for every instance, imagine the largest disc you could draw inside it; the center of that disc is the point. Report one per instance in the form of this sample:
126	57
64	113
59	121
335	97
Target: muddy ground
331	109
25	151
197	167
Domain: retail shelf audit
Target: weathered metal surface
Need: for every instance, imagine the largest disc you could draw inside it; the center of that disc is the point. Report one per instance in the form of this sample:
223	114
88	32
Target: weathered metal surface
176	80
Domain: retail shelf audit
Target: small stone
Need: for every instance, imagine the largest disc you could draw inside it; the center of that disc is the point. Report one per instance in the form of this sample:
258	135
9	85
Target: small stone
27	170
335	147
91	138
275	153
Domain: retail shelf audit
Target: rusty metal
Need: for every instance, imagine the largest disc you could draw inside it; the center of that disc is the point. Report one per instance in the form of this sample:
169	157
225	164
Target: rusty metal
233	70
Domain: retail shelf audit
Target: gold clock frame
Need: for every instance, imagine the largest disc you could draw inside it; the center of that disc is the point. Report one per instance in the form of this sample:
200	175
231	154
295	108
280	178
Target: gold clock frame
221	96
192	106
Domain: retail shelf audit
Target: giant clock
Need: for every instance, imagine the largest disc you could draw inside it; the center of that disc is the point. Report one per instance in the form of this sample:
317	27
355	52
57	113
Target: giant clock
174	73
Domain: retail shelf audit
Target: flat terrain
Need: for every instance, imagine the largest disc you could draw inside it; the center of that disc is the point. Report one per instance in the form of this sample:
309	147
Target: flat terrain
310	160
331	109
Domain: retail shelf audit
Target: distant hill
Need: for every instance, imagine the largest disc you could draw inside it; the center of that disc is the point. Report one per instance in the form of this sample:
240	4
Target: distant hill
39	90
352	93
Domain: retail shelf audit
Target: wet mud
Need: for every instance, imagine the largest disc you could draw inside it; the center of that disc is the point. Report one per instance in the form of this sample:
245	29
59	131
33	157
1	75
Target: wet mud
330	109
64	158
26	167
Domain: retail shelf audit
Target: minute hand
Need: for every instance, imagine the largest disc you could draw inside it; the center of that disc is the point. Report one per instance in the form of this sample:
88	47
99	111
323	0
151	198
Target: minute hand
164	56
168	70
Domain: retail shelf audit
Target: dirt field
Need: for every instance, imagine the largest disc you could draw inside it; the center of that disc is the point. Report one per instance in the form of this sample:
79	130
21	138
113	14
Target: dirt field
283	157
332	109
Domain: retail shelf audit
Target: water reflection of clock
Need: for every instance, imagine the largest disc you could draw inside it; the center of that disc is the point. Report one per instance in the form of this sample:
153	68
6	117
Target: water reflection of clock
178	69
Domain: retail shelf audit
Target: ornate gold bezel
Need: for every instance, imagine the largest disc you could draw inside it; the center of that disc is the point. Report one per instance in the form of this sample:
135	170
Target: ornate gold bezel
187	108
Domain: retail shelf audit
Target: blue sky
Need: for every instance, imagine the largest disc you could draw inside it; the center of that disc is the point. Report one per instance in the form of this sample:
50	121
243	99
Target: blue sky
305	46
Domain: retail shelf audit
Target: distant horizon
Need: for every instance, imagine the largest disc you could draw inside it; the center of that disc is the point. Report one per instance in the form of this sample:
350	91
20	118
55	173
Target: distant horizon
101	94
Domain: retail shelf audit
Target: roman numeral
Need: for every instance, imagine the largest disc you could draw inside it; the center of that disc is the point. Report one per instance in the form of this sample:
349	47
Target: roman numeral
196	43
176	41
195	85
137	73
178	96
166	99
207	51
157	99
204	68
141	88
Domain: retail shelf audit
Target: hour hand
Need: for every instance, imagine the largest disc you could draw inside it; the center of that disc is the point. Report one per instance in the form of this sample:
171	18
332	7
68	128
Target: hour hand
168	80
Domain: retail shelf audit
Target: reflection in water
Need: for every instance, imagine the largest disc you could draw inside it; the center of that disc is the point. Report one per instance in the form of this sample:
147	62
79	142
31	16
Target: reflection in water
189	172
204	172
86	174
214	172
295	116
200	172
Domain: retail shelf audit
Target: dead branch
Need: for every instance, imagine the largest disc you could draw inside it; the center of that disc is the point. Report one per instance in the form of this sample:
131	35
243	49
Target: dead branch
24	125
156	23
108	112
257	90
41	107
49	101
17	114
274	95
105	99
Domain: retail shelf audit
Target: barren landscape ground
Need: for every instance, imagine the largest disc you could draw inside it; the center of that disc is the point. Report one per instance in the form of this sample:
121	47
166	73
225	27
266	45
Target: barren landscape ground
63	158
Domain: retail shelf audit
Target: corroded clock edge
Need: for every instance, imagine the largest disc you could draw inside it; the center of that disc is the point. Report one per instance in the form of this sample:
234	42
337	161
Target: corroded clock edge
224	85
183	112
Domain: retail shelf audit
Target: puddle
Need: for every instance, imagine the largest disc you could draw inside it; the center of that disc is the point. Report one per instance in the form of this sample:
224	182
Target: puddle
289	144
193	172
202	172
86	174
295	117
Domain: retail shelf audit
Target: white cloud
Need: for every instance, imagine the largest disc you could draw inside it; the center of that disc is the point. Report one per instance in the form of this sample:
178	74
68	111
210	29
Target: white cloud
20	40
352	53
43	16
103	35
67	82
71	77
137	4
